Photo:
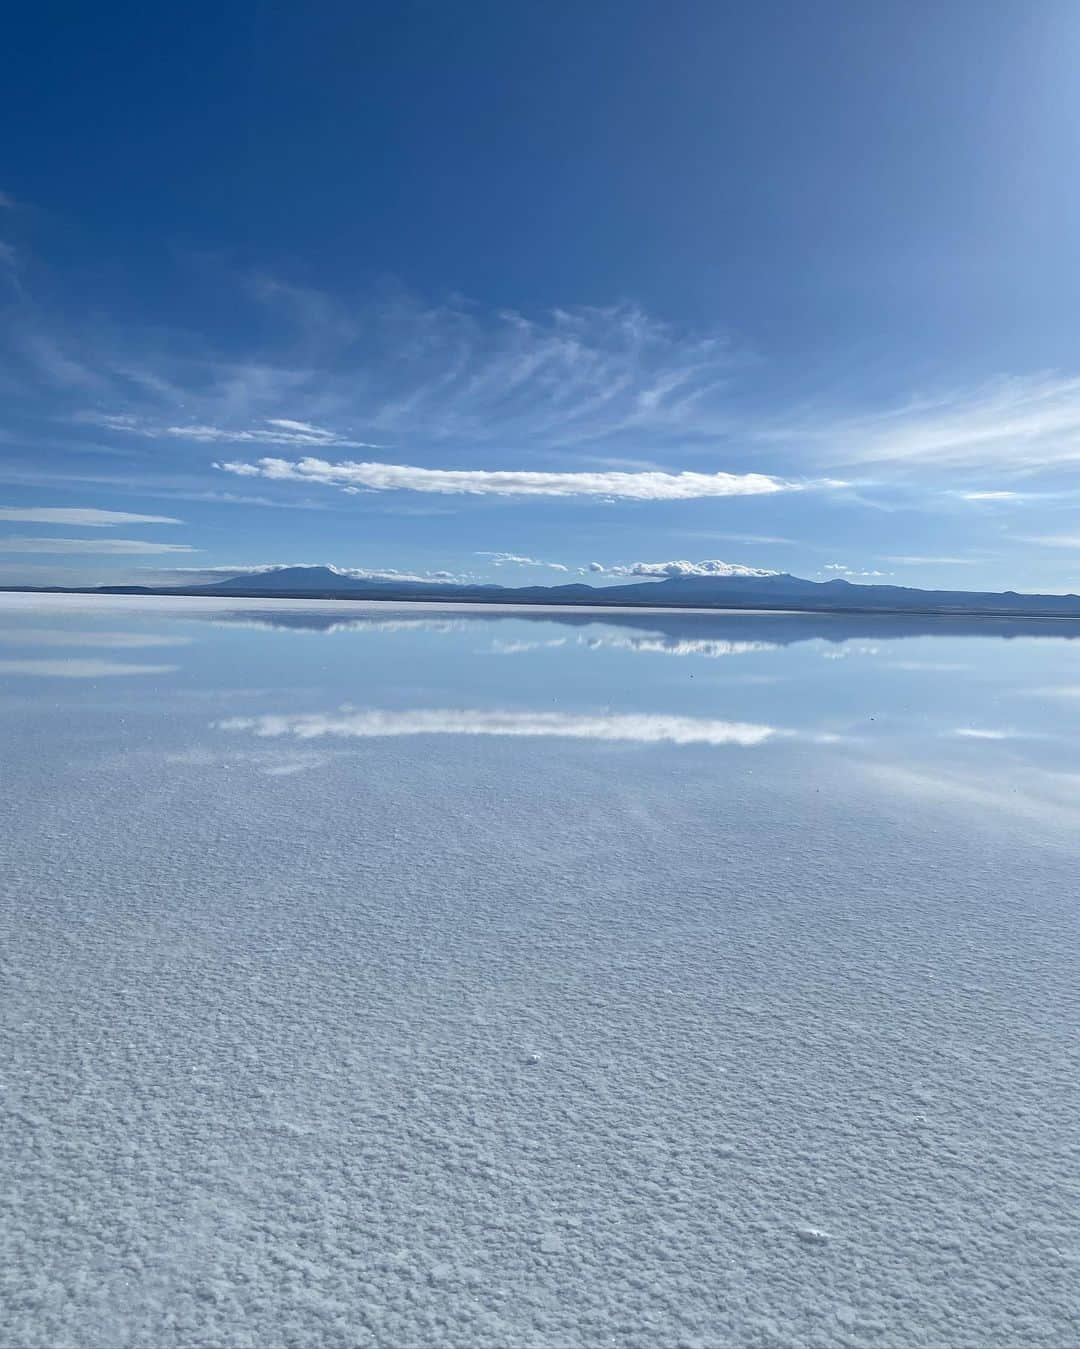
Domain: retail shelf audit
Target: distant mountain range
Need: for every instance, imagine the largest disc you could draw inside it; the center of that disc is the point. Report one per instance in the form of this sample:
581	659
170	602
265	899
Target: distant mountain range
780	591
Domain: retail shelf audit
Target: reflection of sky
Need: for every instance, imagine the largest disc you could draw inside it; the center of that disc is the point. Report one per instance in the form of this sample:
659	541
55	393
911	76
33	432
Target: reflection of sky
969	698
348	936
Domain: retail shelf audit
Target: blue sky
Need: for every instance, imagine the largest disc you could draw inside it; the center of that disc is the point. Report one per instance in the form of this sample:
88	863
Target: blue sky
430	288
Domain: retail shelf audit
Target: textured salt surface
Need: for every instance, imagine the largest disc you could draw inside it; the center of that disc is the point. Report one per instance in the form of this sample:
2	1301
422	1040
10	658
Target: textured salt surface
473	1040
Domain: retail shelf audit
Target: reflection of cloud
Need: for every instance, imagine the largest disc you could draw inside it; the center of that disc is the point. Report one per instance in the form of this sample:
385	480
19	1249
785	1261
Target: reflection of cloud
979	733
1042	799
271	764
713	648
500	648
321	627
117	640
644	728
79	669
842	653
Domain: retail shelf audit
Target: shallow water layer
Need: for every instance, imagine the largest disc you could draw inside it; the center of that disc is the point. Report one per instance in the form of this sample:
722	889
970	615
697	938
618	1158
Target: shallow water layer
403	975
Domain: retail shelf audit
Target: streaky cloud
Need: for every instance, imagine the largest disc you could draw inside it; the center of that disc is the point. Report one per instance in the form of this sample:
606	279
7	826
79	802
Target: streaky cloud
104	547
83	516
1016	423
380	477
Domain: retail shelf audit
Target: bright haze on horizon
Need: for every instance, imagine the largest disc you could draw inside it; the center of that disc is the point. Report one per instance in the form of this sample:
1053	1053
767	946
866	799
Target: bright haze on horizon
541	293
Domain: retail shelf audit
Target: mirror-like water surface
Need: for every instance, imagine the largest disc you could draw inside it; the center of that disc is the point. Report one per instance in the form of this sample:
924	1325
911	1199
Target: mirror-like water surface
455	976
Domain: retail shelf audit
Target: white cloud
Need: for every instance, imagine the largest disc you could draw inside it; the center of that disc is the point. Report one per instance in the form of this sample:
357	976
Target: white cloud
378	477
80	516
711	567
109	547
852	571
517	560
642	729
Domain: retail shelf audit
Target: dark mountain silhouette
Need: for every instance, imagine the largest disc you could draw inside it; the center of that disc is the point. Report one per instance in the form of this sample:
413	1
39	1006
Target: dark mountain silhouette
777	592
780	591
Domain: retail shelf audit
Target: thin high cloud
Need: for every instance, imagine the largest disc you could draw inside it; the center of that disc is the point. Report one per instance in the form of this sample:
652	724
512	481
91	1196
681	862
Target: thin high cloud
1018	423
100	547
519	560
87	517
678	567
272	431
609	385
642	729
379	477
336	374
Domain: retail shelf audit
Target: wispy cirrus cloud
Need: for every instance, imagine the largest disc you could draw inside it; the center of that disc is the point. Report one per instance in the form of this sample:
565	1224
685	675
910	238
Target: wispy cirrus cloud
101	547
519	560
379	477
272	431
1017	423
87	517
396	369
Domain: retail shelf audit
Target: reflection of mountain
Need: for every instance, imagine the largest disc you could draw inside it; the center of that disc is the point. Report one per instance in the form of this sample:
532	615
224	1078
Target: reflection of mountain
674	632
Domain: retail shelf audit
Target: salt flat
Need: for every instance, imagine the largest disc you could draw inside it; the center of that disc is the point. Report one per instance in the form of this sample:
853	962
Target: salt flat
399	976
